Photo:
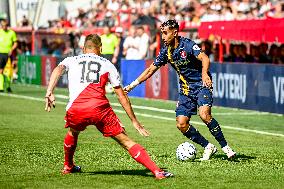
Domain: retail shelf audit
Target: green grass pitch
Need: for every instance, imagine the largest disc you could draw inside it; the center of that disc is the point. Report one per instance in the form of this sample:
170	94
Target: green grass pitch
31	148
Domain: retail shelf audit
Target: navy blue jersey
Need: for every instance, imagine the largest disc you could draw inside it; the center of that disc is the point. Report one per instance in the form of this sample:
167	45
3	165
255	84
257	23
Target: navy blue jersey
183	60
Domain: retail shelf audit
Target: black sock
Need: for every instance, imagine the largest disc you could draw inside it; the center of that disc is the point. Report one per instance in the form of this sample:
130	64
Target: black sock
195	136
216	131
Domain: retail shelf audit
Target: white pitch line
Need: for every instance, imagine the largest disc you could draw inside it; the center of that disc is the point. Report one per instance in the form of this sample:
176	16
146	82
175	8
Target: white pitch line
29	98
62	96
172	111
152	116
200	123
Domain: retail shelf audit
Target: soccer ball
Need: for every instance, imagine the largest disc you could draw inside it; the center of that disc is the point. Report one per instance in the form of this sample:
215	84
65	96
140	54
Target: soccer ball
186	151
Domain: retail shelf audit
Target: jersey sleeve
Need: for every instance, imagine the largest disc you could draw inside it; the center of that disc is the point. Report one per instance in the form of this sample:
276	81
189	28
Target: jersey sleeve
195	49
65	63
114	77
161	59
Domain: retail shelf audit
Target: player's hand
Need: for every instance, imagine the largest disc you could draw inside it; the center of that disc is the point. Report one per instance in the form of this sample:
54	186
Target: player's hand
207	82
49	101
131	86
140	128
114	60
127	89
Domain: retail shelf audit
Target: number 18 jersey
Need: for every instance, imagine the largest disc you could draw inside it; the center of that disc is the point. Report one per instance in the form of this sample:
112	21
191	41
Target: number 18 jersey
88	75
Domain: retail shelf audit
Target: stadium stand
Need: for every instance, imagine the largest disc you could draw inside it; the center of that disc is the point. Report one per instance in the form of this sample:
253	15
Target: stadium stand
192	15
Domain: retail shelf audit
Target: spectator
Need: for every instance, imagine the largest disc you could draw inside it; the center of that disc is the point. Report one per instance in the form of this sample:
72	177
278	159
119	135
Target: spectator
143	40
263	56
130	47
265	7
235	53
244	6
55	48
227	14
113	5
254	52
163	16
279	10
243	55
44	47
282	54
108	20
64	23
26	48
274	54
25	22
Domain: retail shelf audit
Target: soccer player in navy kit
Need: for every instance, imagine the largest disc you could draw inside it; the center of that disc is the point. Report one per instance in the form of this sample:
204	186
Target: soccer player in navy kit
192	66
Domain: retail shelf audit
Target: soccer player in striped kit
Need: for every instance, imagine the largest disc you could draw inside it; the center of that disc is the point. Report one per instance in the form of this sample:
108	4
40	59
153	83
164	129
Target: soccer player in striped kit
88	75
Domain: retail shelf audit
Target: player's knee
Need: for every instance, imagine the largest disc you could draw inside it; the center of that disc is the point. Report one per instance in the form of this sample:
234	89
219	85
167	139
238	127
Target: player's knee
205	117
73	132
182	126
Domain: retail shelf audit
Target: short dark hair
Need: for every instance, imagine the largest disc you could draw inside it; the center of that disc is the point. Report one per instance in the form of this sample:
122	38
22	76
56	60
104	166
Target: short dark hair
172	24
94	38
140	27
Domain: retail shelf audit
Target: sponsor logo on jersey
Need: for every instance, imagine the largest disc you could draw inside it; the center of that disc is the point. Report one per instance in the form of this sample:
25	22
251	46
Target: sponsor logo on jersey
182	62
183	54
196	48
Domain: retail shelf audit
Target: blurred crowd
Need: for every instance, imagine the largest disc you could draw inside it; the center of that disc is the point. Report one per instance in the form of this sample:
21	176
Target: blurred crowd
124	12
247	53
132	27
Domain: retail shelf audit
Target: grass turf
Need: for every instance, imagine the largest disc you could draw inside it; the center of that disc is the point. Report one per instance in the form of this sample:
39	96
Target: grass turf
31	149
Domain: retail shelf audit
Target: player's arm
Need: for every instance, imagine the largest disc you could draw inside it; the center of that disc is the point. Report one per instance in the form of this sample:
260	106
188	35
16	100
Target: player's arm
116	51
15	44
125	103
205	69
115	55
143	77
49	96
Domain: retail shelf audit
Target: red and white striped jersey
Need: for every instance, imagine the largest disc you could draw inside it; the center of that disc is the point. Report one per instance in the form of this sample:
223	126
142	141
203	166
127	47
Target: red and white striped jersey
88	75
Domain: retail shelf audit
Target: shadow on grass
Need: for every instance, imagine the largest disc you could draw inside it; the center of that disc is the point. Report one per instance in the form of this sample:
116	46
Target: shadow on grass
145	173
237	158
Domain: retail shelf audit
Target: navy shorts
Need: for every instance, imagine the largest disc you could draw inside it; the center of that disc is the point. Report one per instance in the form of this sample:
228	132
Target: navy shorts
187	105
3	60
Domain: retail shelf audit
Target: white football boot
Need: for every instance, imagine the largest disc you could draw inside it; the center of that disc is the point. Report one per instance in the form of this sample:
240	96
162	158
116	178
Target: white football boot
229	152
209	150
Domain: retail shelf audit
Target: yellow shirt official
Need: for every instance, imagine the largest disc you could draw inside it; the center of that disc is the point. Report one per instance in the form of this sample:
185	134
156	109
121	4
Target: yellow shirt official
7	38
109	43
